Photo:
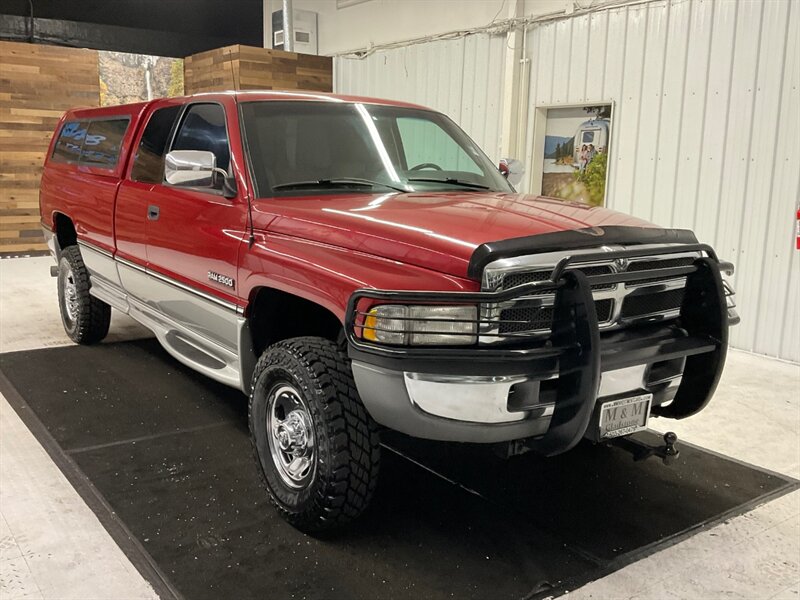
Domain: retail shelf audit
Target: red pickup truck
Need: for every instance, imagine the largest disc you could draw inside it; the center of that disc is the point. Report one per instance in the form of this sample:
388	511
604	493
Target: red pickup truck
354	264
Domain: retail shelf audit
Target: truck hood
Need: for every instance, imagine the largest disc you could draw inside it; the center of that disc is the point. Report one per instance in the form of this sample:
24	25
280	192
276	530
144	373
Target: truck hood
435	231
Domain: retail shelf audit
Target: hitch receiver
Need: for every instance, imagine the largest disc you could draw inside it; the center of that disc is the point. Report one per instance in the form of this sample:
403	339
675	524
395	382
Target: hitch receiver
641	451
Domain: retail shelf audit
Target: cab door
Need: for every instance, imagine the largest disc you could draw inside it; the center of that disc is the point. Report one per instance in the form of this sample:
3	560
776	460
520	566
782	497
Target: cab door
193	235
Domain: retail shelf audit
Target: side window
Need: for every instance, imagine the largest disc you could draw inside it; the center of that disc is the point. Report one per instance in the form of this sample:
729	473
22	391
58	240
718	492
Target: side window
102	143
425	142
70	141
148	164
203	128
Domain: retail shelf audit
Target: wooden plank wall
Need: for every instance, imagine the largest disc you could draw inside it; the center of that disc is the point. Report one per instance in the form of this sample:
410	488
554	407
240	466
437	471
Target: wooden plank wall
37	84
250	68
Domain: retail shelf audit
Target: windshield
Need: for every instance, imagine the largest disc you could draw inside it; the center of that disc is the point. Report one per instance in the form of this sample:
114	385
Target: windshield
326	147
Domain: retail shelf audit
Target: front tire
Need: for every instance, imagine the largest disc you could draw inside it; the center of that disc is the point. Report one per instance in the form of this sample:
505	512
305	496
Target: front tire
317	448
85	318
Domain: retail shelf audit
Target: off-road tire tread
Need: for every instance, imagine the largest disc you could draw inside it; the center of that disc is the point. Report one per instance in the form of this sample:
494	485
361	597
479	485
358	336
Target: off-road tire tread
353	435
94	316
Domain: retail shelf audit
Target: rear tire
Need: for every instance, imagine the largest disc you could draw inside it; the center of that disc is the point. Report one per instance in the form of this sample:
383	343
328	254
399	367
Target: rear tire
317	448
85	318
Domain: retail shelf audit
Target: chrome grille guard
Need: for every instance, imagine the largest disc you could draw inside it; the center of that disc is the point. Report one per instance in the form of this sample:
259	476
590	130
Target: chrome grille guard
574	352
362	299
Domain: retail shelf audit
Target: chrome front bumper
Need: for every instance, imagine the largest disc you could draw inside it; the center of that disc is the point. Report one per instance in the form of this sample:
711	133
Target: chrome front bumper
481	409
448	408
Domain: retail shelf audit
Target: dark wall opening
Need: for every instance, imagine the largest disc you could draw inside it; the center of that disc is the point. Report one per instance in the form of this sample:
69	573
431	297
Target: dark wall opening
160	27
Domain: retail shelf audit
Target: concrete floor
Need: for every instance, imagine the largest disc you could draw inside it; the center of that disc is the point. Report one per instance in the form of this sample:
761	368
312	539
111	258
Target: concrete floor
53	546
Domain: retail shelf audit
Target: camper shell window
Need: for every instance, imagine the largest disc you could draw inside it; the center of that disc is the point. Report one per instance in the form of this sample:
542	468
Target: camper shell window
70	141
93	142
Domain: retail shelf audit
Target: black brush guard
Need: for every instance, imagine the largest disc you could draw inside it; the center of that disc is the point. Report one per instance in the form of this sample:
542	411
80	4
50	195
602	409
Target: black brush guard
574	350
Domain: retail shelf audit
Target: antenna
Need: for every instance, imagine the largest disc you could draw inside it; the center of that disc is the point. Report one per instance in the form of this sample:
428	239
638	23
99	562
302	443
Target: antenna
233	71
252	238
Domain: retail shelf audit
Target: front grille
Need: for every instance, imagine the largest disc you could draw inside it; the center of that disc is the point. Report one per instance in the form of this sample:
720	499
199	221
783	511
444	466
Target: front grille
617	304
526	318
604	309
532	318
666	263
514	279
648	304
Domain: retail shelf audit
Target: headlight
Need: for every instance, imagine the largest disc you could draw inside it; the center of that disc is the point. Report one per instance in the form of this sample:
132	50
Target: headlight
422	325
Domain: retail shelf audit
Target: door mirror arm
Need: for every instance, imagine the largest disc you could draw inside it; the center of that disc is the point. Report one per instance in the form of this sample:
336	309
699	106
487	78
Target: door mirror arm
228	184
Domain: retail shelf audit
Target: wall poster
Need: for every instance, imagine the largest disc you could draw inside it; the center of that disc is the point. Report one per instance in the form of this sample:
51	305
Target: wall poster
576	152
126	78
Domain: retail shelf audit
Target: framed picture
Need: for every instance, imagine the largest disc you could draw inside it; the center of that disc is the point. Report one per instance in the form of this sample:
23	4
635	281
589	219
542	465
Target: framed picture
571	152
128	78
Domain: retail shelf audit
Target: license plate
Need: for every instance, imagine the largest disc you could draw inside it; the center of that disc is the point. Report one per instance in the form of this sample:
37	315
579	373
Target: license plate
624	416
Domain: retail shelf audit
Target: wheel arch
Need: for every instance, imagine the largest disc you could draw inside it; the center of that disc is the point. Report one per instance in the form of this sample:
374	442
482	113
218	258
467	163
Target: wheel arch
274	315
64	230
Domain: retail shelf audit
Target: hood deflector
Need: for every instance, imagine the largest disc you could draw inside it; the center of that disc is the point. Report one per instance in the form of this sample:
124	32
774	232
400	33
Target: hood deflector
574	239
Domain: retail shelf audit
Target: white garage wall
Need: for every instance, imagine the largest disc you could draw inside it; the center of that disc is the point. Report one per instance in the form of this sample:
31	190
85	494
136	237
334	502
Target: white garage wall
463	78
343	28
706	131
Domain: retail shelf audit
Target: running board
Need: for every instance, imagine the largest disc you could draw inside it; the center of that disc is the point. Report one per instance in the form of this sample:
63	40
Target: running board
195	352
109	293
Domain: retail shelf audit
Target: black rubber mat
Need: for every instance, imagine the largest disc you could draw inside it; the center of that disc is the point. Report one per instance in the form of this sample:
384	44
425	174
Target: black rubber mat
163	456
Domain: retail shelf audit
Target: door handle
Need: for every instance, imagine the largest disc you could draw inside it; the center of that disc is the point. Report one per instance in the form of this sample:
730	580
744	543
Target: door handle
152	212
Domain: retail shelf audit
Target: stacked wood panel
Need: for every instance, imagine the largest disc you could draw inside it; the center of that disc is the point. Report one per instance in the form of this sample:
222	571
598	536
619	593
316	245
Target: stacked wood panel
37	84
249	68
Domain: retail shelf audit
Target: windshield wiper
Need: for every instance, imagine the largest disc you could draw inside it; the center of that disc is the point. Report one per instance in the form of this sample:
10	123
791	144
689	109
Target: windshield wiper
335	182
451	181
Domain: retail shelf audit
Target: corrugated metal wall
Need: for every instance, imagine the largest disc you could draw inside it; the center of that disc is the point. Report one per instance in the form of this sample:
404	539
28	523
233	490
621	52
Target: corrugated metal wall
706	131
463	78
705	134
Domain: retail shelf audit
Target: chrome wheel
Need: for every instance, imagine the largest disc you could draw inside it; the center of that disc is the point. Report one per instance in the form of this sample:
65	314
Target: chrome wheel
70	295
290	435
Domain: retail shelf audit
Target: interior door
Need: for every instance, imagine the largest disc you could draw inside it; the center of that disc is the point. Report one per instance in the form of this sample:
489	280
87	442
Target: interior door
193	236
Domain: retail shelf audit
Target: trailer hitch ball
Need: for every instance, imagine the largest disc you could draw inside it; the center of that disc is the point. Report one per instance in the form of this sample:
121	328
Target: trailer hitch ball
671	451
641	450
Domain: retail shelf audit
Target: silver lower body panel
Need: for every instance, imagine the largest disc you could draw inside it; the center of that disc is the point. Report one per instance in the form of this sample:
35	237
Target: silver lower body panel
197	332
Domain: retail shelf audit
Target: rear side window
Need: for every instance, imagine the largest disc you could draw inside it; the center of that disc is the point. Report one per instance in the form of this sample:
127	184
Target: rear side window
70	141
203	128
148	165
103	141
95	143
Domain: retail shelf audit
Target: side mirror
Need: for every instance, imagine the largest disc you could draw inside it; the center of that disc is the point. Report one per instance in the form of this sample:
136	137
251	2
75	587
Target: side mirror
512	170
192	168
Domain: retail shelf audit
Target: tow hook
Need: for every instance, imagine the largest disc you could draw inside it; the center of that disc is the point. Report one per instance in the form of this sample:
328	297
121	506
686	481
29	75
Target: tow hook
641	451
